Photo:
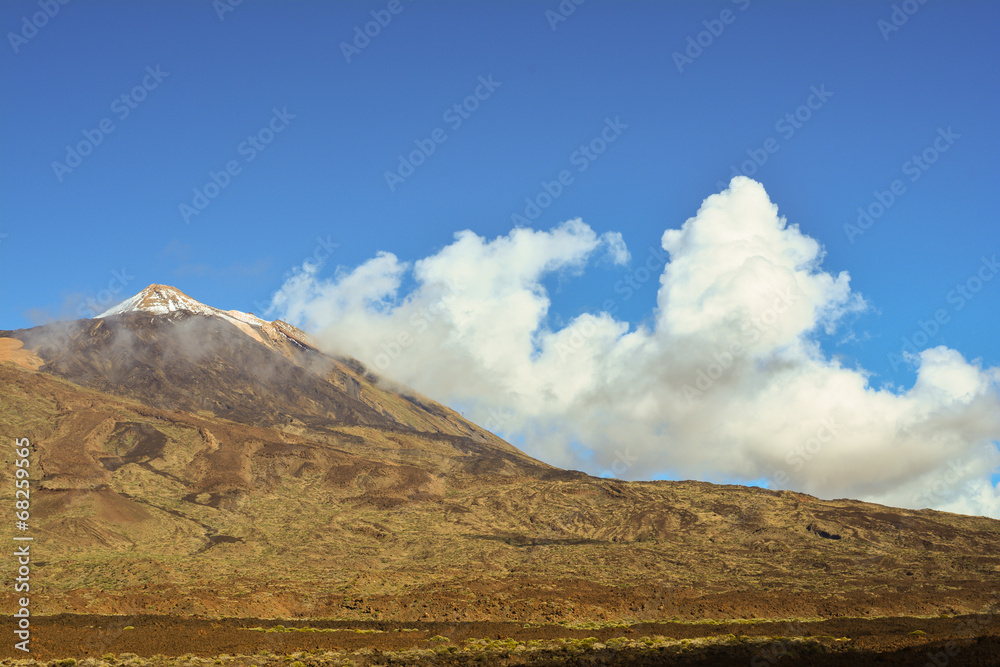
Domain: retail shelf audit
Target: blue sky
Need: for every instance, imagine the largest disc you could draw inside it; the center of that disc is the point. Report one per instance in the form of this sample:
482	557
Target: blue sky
199	81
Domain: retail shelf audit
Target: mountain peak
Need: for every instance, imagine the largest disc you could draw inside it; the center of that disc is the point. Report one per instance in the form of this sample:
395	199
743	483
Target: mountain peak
160	300
166	299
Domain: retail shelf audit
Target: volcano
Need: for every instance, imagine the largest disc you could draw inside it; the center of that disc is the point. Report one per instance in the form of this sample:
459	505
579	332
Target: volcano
171	352
194	461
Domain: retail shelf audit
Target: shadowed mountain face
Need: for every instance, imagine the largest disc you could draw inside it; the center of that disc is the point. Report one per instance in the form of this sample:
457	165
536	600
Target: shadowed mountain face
196	362
170	352
194	461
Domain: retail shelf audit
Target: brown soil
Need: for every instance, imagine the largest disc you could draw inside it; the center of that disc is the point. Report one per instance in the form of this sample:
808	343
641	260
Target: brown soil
13	350
969	640
186	498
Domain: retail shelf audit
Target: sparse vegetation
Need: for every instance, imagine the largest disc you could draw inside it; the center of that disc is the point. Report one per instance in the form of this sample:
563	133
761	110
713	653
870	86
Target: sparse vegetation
341	526
743	549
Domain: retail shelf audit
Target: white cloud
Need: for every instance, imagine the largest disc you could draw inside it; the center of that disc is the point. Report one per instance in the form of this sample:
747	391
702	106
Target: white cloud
727	382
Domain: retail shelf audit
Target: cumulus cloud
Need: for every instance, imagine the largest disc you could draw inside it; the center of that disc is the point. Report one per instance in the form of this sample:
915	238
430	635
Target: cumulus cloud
726	381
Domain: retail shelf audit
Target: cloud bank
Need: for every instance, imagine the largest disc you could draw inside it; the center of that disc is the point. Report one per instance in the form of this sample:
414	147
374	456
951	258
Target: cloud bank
726	381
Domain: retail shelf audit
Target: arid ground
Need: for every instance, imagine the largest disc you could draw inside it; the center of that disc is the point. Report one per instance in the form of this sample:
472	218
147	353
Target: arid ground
176	501
171	640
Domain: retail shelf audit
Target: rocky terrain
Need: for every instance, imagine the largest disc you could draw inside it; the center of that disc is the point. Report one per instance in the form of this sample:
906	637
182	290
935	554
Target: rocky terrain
193	473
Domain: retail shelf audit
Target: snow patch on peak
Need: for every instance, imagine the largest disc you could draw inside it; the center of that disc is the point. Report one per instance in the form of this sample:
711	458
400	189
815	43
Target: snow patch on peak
164	300
160	300
249	318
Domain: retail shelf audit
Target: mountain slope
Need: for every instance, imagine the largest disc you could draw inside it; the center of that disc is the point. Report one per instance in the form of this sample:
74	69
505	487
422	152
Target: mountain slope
182	463
169	351
142	510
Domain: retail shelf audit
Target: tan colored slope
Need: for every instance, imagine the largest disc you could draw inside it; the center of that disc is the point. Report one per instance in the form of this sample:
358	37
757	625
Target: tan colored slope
12	350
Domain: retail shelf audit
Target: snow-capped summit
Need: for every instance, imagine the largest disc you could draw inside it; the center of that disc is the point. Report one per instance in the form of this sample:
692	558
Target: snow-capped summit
160	300
165	300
